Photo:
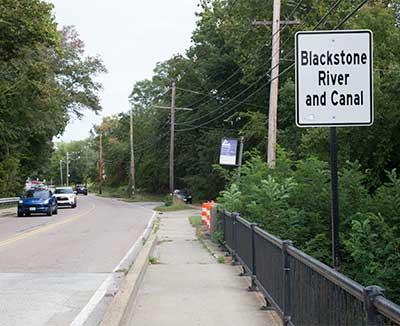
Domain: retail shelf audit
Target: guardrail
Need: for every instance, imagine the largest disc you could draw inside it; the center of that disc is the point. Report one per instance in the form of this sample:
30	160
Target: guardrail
301	289
12	200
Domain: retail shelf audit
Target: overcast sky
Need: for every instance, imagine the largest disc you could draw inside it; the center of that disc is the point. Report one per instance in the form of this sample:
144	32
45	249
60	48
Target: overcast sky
131	36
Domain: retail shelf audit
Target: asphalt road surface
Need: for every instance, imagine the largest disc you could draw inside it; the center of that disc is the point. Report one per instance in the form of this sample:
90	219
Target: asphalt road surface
50	267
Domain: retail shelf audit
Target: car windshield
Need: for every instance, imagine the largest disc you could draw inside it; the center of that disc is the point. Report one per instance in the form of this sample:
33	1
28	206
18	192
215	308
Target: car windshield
37	194
64	191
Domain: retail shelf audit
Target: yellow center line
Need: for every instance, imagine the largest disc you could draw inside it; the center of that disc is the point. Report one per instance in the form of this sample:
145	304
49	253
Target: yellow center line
39	230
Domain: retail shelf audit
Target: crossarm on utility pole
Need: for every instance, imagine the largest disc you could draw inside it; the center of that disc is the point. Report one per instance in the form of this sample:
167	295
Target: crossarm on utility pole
273	99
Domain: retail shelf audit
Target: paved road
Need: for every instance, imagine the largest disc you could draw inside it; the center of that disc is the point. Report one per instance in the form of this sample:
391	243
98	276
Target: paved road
50	267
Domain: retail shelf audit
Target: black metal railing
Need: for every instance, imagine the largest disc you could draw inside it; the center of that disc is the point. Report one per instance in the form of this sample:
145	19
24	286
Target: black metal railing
302	290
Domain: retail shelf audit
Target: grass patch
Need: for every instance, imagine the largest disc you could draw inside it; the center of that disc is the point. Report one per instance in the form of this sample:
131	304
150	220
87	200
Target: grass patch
122	194
143	198
153	260
6	206
172	208
221	259
195	220
159	242
124	270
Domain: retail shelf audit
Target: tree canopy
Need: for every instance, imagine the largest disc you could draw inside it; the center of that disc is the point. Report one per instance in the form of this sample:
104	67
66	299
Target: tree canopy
45	80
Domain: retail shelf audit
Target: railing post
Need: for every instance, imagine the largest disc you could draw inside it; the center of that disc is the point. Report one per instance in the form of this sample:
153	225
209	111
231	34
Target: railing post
372	317
224	225
287	304
234	238
253	285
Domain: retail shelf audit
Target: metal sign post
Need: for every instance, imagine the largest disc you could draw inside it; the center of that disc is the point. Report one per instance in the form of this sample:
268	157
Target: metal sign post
334	88
335	201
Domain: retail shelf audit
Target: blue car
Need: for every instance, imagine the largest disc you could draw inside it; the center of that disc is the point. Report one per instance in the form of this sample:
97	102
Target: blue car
37	201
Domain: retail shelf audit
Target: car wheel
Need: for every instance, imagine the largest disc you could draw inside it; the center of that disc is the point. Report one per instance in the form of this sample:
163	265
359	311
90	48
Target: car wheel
20	214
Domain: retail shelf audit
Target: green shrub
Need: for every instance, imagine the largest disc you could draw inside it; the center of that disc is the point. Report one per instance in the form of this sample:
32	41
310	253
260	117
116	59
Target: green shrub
293	202
168	200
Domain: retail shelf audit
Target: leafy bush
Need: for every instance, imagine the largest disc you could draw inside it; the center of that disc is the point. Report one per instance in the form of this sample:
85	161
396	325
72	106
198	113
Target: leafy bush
293	202
168	200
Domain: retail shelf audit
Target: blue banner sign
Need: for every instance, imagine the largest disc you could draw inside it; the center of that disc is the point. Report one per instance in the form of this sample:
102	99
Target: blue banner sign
228	151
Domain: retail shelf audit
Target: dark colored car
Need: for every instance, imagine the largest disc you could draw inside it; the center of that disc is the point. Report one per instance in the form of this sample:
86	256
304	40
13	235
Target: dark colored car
183	195
81	189
37	201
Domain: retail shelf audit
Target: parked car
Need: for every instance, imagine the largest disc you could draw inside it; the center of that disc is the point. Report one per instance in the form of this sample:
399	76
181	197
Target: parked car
81	189
183	195
66	196
37	201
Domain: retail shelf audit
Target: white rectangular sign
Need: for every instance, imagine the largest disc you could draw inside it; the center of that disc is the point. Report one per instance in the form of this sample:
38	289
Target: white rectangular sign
228	151
334	78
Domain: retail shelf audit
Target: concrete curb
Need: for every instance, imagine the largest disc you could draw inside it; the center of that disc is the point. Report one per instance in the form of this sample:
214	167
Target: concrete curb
111	284
120	310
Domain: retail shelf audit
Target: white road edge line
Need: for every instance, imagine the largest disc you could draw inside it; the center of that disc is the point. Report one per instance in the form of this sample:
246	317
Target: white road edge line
108	283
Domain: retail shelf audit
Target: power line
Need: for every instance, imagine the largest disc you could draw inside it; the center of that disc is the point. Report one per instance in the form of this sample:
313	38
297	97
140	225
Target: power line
345	19
243	65
225	104
196	92
330	10
218	108
224	113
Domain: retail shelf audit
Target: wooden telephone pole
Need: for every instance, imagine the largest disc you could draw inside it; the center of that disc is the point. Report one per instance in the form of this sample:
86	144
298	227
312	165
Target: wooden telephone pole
273	98
173	109
132	167
101	165
172	141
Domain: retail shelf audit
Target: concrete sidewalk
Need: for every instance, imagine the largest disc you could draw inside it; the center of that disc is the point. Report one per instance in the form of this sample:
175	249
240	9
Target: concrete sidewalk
189	287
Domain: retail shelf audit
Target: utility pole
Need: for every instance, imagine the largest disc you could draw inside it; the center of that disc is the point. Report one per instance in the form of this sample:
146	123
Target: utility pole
61	174
172	141
67	169
273	98
173	109
101	165
132	170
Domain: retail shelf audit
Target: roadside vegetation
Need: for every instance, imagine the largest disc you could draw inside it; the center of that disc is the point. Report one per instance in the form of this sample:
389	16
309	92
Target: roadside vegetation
293	202
173	208
195	220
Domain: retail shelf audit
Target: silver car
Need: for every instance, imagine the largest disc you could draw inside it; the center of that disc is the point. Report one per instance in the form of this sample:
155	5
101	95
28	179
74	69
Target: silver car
66	196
